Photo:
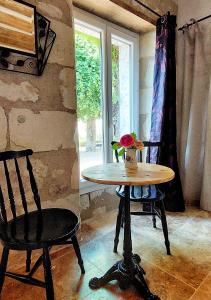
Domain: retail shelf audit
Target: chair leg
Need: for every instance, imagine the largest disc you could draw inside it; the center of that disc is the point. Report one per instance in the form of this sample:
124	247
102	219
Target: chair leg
78	253
28	261
3	266
48	275
165	227
153	217
119	222
123	218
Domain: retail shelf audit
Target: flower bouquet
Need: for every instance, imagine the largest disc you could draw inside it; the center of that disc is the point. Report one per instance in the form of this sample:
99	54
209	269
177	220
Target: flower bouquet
127	147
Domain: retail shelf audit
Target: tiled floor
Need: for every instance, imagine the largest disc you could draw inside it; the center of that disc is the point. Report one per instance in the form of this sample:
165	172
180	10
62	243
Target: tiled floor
184	275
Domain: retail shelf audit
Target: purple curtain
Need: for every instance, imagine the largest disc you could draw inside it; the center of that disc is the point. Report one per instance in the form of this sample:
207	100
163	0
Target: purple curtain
163	125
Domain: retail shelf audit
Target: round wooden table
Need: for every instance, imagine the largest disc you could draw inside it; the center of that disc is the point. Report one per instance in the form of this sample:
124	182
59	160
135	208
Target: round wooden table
127	271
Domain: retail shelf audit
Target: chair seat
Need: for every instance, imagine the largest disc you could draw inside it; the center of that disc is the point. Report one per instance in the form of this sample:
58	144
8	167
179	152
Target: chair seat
38	230
142	193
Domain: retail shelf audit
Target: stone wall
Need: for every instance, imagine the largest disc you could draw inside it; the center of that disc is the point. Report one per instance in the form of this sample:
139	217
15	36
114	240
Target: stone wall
40	113
98	202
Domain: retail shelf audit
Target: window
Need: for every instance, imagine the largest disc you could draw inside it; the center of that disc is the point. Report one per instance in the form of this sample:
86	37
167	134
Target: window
89	95
107	68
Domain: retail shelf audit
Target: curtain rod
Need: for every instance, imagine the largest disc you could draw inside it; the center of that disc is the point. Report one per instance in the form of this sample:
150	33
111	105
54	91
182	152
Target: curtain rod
190	24
147	7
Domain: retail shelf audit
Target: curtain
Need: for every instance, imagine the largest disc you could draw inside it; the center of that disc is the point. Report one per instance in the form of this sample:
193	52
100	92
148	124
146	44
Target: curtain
163	125
195	129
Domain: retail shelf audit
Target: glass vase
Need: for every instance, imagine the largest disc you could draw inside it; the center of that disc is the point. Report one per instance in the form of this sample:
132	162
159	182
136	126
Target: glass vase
131	159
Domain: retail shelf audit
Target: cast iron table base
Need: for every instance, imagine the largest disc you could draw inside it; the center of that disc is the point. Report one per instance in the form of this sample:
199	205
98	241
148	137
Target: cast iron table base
127	271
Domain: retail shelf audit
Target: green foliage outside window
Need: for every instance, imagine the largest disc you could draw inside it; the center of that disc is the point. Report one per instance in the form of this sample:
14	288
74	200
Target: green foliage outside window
89	84
88	74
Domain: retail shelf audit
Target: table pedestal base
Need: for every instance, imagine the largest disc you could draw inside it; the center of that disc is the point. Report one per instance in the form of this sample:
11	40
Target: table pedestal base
126	277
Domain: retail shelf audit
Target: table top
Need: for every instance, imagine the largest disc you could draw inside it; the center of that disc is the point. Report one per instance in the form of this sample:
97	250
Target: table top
117	174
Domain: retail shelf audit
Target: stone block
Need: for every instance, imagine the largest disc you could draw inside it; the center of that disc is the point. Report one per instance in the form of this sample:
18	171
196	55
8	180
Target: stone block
68	87
50	10
3	131
57	173
24	91
75	176
84	201
54	9
69	202
63	49
95	195
111	190
44	131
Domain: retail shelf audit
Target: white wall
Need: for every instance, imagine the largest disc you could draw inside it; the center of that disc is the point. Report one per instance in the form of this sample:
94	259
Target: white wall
188	9
147	60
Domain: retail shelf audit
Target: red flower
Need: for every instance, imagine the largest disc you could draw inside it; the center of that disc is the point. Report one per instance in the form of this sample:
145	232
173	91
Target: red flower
127	140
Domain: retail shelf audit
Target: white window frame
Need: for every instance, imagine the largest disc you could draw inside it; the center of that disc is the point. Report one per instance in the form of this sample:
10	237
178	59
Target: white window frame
107	30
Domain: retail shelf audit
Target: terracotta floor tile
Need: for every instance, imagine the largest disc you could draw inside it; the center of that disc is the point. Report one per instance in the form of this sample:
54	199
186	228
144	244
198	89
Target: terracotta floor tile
69	284
190	260
97	227
112	292
173	277
165	285
204	291
168	287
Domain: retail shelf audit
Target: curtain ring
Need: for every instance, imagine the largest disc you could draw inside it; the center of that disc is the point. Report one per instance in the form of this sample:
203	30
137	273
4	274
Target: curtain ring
185	27
164	19
193	21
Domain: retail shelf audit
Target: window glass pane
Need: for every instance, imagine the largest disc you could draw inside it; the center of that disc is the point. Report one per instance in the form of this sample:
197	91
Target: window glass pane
89	95
121	87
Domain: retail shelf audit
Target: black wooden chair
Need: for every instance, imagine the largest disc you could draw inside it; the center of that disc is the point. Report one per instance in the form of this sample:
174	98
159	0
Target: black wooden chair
150	196
39	229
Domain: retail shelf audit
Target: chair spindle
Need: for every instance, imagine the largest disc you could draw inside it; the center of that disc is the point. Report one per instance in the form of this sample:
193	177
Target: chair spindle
10	191
21	187
33	184
2	206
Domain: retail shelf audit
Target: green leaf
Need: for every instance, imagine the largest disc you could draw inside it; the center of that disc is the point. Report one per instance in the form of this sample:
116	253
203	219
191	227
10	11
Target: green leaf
121	152
134	135
88	76
115	146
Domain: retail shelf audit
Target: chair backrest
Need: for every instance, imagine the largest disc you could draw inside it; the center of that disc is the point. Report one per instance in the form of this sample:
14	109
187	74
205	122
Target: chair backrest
14	157
145	156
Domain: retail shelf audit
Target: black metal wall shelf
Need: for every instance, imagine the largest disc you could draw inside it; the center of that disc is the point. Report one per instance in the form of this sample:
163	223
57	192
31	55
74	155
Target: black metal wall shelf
30	63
